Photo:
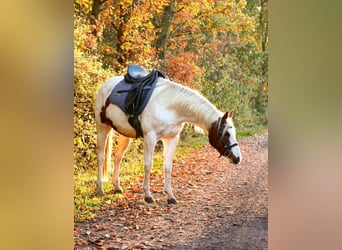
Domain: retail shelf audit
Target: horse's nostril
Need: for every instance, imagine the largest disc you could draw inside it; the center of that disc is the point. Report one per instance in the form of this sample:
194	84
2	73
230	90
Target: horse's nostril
237	160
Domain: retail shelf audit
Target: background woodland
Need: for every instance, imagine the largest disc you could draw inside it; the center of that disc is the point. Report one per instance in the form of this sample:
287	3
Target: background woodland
218	47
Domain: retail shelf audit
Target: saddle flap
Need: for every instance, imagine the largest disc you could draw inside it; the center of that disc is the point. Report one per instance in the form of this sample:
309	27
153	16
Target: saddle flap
132	95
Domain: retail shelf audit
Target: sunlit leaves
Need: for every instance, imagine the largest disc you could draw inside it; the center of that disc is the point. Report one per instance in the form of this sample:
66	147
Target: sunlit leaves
132	29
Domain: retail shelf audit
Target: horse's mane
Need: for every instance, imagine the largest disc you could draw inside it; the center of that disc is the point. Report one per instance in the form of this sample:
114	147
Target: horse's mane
184	99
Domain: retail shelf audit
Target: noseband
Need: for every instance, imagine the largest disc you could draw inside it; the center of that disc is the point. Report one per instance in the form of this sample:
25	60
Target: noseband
226	147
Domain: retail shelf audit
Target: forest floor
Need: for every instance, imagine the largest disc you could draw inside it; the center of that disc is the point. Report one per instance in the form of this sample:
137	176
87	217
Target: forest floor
220	206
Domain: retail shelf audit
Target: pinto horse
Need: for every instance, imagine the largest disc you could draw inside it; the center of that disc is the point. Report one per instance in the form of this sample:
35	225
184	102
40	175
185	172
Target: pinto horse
169	107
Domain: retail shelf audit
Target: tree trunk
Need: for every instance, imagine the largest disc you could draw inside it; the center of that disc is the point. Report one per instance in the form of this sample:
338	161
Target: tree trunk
122	55
163	35
94	15
263	25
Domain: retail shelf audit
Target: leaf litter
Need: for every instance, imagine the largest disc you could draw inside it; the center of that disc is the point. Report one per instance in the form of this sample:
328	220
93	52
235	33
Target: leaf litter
221	206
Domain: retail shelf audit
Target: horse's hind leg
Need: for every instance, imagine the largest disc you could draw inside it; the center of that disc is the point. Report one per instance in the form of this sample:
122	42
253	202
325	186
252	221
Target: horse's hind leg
107	164
118	154
169	148
102	135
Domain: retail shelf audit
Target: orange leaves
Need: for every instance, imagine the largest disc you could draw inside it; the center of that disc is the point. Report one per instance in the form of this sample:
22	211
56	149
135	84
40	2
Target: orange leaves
139	32
133	27
182	68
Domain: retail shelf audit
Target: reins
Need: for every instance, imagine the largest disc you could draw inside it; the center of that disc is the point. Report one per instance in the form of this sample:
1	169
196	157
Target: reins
226	147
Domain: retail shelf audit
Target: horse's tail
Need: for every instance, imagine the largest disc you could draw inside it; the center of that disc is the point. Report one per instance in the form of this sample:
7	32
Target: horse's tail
108	156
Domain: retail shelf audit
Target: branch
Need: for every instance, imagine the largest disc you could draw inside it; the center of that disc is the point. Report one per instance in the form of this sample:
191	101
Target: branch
117	29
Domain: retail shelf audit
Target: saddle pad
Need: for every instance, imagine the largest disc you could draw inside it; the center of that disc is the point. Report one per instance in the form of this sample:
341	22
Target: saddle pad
120	92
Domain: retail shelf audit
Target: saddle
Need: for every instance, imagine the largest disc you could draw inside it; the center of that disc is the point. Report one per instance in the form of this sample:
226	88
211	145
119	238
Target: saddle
133	93
134	73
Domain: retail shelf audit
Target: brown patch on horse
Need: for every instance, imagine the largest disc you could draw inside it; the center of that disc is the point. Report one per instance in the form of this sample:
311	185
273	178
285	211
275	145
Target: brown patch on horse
214	138
104	119
103	116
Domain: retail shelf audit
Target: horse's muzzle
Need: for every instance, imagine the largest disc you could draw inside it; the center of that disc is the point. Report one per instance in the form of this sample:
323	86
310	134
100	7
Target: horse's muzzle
233	159
236	160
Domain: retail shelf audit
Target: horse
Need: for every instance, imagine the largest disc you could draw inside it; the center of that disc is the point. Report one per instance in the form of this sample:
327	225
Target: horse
170	106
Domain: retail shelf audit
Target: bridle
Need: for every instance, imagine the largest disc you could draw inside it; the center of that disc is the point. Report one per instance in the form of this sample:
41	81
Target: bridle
226	147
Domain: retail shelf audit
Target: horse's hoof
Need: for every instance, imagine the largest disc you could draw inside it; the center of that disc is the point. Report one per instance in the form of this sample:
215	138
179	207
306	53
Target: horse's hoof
172	201
117	191
99	191
149	199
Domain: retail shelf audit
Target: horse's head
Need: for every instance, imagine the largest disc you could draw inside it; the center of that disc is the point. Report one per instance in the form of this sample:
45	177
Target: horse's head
222	136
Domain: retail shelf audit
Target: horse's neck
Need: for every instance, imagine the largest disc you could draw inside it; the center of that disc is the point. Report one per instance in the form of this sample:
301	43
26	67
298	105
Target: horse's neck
191	107
201	115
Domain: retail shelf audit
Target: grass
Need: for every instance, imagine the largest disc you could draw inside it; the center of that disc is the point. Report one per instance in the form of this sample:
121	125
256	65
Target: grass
87	202
257	130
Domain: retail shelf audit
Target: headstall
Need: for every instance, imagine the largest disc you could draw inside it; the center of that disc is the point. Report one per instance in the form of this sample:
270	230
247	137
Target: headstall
226	147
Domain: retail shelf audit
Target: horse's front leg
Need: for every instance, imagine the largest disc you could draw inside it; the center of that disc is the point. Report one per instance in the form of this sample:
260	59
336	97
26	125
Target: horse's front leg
169	148
149	144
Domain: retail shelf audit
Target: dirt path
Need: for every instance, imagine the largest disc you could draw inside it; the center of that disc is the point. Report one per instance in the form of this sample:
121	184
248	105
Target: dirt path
221	206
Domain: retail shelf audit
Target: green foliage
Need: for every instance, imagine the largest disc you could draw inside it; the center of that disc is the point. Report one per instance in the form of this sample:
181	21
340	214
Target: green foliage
254	65
220	85
237	80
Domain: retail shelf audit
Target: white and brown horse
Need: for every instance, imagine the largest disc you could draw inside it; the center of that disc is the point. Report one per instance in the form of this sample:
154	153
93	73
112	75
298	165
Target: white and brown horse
170	106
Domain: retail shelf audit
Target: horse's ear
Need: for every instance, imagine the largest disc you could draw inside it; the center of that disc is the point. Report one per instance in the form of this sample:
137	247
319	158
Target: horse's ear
224	117
227	114
230	113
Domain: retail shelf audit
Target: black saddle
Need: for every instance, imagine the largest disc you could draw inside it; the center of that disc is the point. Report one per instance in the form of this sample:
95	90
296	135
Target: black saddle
136	89
135	73
141	84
